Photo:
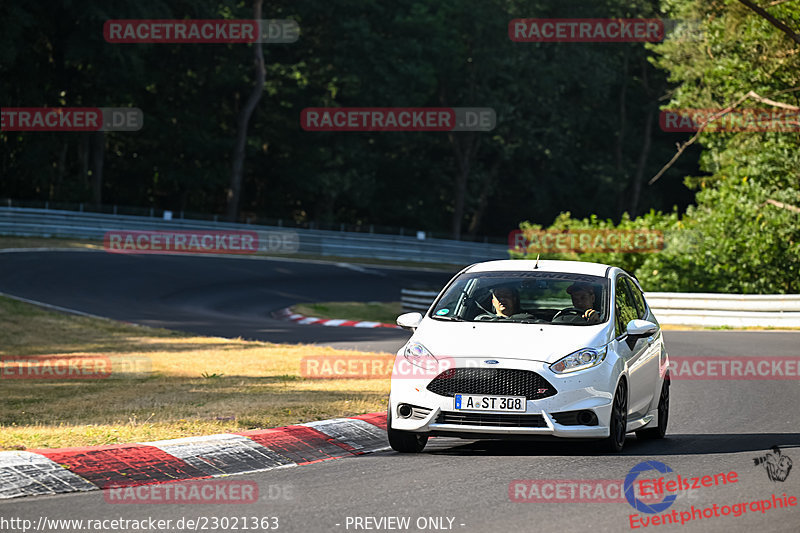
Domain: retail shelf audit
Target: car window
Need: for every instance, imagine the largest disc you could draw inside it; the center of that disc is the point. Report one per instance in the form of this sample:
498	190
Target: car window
528	297
624	307
638	298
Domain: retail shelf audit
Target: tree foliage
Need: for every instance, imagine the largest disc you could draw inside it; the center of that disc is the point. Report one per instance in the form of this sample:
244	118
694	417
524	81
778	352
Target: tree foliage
570	135
743	234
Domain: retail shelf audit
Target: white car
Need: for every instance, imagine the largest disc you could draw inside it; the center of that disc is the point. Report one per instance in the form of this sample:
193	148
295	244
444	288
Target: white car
531	349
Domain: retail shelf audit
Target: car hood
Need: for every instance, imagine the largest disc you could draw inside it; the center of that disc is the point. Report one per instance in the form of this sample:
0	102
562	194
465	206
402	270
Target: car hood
531	342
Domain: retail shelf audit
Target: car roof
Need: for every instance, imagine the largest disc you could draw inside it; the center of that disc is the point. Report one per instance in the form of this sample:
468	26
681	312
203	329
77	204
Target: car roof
574	267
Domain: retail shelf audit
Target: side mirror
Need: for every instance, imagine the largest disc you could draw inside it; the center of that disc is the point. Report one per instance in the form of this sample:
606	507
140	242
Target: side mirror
409	320
641	328
638	329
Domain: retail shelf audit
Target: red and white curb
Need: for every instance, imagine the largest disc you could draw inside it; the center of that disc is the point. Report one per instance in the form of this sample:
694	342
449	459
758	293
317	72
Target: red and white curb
56	471
287	314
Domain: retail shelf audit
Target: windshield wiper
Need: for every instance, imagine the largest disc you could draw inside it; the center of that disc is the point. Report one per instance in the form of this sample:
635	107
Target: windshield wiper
451	318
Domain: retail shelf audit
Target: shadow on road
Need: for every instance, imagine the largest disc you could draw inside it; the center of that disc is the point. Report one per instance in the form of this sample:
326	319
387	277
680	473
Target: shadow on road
681	444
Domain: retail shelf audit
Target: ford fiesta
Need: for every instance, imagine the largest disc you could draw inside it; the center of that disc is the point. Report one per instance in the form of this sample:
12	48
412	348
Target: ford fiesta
555	349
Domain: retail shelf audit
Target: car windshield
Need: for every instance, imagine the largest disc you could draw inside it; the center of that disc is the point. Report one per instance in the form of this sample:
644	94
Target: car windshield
525	297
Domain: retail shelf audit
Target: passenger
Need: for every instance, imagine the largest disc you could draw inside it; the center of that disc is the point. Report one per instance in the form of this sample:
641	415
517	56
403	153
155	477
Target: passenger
583	300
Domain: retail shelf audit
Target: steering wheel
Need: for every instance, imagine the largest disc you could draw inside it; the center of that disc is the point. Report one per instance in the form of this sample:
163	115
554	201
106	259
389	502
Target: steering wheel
487	316
569	311
570	315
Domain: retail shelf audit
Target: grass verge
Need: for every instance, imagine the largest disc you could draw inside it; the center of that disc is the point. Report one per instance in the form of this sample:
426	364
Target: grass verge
189	385
386	312
44	242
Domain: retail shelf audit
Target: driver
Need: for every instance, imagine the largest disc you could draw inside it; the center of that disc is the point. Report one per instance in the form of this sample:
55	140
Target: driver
505	302
583	299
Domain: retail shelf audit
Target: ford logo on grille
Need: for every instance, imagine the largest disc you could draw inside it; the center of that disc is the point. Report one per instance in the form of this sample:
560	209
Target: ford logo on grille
492	362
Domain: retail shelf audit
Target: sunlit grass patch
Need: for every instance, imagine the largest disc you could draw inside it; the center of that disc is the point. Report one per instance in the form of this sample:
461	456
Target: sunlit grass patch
191	385
386	312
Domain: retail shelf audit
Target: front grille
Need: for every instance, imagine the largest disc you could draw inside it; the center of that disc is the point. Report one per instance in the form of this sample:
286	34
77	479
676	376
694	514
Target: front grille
495	381
492	420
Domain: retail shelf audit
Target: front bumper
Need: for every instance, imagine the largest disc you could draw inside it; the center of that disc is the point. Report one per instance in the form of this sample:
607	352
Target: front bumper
432	426
590	390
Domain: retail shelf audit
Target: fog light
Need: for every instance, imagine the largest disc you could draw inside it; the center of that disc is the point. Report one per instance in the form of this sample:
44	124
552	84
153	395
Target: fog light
587	418
404	410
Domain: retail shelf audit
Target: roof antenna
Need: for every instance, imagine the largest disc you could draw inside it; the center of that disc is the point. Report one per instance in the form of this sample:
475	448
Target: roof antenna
536	266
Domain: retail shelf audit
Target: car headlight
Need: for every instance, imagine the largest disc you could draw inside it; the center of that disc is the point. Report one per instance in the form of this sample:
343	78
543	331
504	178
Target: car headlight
580	360
418	355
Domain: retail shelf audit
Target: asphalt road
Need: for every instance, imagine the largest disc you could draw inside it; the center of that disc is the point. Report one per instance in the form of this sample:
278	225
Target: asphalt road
219	296
715	426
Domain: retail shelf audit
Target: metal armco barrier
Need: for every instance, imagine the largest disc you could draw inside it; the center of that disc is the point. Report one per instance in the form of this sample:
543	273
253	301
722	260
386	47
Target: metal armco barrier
736	310
28	222
689	309
414	300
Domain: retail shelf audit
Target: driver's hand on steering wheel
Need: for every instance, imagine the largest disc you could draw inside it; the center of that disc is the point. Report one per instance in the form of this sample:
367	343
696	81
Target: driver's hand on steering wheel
592	316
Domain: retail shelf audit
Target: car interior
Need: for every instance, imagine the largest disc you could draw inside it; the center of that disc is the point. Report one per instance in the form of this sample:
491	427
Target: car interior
539	302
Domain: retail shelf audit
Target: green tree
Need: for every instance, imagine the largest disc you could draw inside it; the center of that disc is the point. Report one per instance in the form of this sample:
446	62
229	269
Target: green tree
743	233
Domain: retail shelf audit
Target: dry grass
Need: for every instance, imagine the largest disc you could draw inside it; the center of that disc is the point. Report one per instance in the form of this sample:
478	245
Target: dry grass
193	386
43	242
386	312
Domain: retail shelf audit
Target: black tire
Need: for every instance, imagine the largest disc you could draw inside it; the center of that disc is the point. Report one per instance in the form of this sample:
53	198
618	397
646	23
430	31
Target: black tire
404	441
618	421
663	416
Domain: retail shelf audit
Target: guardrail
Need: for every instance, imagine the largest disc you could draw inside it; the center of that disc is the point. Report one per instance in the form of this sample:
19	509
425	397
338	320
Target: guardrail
415	300
688	309
737	310
83	225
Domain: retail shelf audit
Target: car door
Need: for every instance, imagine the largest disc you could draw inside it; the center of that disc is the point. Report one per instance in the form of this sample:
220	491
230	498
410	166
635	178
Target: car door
652	357
637	356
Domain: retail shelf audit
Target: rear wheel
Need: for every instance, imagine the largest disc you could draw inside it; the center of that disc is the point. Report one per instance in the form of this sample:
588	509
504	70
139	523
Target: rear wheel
618	421
659	431
404	441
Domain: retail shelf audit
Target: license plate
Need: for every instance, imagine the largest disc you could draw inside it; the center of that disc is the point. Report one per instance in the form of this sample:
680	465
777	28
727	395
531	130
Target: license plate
474	402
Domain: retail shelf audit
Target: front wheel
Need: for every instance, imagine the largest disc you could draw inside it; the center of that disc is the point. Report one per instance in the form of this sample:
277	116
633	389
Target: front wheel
663	416
404	441
618	422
